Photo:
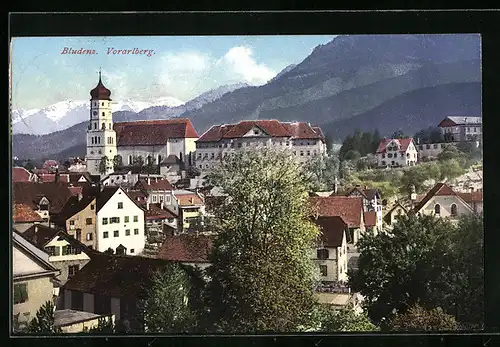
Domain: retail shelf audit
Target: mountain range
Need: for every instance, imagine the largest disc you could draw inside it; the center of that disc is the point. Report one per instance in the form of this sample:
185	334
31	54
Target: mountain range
389	82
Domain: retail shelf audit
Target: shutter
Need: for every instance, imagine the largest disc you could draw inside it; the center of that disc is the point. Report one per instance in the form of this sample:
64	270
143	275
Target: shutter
65	250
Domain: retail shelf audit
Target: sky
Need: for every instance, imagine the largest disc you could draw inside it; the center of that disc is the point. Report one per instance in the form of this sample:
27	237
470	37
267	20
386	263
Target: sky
170	66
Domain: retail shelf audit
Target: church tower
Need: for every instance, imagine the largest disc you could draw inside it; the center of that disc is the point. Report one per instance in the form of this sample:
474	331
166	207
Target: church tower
101	138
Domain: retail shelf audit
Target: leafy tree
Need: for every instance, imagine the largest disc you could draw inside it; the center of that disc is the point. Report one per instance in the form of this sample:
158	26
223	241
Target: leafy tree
322	172
399	135
450	169
117	162
376	138
416	176
138	161
103	164
347	145
262	277
419	319
450	152
44	321
429	135
346	320
166	308
29	165
427	261
104	326
109	251
352	155
193	172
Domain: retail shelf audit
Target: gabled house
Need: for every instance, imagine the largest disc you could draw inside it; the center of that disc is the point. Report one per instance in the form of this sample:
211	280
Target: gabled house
78	218
331	251
113	284
474	199
393	214
20	174
442	201
171	165
188	249
350	209
158	190
33	280
126	178
396	153
372	201
120	221
65	253
23	217
47	199
157	216
189	206
461	128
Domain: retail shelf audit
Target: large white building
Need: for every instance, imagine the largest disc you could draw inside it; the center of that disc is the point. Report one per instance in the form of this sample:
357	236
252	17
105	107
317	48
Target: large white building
460	128
120	222
304	141
149	141
396	153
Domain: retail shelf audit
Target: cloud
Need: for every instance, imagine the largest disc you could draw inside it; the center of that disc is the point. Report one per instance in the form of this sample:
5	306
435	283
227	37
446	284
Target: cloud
239	61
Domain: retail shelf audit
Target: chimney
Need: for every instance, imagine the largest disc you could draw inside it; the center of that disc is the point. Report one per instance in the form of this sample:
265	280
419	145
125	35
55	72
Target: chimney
149	181
147	205
51	224
161	205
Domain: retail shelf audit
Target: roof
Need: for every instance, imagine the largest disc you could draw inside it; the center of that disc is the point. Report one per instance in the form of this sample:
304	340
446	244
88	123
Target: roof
23	213
318	131
154	184
100	91
106	194
39	255
70	317
104	274
153	132
156	212
187	248
460	120
20	174
369	194
349	208
332	230
471	197
29	193
370	218
172	159
138	196
396	205
336	299
51	177
73	206
189	199
43	235
439	189
403	142
273	128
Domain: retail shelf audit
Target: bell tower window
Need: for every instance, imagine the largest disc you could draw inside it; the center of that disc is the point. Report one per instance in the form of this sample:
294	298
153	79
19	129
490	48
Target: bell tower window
95	125
103	126
103	114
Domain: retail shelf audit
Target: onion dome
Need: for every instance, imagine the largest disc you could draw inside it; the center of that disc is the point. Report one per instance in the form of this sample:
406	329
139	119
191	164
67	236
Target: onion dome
100	92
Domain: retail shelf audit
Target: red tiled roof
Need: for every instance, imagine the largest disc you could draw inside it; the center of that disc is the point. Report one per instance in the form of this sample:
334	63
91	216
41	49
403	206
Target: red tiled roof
273	128
439	189
50	163
370	218
188	248
349	208
76	190
156	212
471	197
153	132
20	174
154	184
51	177
404	144
332	230
23	213
138	196
189	199
318	131
29	193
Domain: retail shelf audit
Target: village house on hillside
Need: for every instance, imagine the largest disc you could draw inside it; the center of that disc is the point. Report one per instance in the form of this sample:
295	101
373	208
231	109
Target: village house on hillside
33	280
393	214
120	222
304	141
461	128
350	209
396	153
372	201
331	251
442	201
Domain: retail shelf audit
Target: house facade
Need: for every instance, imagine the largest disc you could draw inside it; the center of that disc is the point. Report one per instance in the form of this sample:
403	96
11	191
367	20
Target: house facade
372	201
33	280
299	138
393	214
474	199
79	219
461	128
443	202
189	206
120	222
330	253
396	153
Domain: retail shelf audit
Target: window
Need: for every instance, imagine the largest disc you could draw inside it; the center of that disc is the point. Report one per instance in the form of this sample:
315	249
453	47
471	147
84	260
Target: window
120	205
116	233
51	250
126	219
383	162
322	254
475	129
92	207
89	237
428	146
239	145
132	251
20	293
454	210
256	132
72	270
127	232
435	146
104	221
383	155
136	231
323	269
437	209
136	218
95	125
88	221
389	155
71	222
154	198
402	155
105	235
408	155
308	152
78	235
301	153
114	220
